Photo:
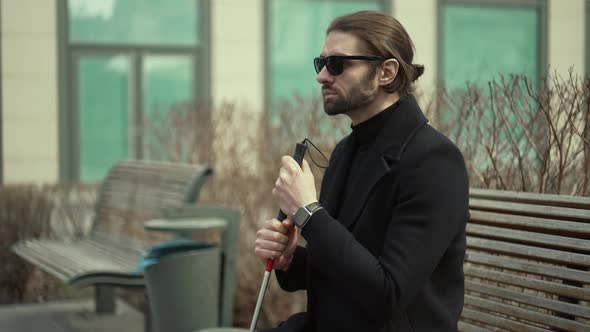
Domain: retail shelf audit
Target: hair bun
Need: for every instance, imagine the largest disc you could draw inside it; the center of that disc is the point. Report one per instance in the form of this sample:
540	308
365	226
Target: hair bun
418	71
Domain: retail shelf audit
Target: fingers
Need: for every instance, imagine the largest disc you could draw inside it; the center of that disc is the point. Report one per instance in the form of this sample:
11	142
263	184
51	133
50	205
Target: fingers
288	186
288	223
273	238
290	164
282	227
270	248
265	254
282	262
305	167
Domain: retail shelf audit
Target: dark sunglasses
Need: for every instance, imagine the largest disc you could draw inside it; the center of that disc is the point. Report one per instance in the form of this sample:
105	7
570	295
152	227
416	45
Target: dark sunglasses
335	63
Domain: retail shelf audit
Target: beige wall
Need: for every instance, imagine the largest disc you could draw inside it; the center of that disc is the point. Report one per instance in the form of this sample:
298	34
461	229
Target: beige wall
237	53
419	17
29	92
566	35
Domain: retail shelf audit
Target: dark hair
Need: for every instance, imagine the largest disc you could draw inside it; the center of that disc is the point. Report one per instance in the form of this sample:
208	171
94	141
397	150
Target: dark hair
384	36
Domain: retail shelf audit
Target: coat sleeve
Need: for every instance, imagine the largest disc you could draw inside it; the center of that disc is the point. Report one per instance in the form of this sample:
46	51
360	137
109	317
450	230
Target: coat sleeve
430	210
294	278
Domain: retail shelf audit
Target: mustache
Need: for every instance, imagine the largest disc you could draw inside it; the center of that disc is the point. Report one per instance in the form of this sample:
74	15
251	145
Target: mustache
329	89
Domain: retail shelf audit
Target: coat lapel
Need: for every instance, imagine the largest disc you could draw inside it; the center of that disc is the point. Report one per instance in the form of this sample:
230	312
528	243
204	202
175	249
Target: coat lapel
376	168
402	125
334	182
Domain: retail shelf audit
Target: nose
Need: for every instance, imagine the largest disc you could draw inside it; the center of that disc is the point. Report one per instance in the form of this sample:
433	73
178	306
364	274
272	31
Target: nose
324	77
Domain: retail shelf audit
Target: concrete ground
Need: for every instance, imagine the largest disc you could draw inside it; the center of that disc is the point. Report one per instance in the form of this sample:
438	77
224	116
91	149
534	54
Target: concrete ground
70	316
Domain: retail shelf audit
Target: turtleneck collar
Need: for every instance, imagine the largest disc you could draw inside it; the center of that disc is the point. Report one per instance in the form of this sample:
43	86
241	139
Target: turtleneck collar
366	132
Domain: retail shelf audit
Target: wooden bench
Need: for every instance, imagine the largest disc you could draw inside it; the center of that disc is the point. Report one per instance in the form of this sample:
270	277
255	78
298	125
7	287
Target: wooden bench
133	192
528	262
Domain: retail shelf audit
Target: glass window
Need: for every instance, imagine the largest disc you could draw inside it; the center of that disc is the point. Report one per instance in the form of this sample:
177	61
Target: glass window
132	61
103	108
166	81
479	42
157	22
296	33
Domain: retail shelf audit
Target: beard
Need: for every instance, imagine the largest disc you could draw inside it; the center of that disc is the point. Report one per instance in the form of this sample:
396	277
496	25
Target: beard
361	94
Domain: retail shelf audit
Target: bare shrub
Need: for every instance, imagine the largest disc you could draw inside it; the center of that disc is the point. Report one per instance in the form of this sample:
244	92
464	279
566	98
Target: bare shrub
31	211
24	212
520	135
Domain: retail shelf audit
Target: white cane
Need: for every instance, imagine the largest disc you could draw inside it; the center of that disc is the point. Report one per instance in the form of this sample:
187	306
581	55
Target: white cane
298	156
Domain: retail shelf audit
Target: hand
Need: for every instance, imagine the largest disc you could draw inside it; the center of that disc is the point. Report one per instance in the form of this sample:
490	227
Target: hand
295	186
277	240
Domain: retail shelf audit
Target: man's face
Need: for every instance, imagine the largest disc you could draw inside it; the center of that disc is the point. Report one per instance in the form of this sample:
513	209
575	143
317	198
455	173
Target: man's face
356	87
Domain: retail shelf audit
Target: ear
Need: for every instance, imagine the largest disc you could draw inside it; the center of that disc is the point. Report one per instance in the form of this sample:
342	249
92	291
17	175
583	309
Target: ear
389	70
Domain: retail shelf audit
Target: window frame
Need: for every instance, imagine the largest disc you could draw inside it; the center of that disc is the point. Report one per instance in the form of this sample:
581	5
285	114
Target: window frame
542	19
67	54
387	8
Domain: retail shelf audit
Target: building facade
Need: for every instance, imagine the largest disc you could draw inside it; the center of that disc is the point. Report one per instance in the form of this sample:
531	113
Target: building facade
78	77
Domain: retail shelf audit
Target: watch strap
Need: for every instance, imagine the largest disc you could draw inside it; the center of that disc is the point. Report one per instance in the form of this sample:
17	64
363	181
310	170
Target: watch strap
313	207
310	209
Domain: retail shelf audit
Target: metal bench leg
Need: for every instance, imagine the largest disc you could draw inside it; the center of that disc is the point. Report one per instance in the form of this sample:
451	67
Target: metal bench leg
148	327
104	299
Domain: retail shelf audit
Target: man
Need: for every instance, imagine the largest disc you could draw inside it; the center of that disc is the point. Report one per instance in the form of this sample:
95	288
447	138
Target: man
386	242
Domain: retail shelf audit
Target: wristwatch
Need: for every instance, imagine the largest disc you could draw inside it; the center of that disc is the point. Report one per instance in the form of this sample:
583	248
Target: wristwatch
303	215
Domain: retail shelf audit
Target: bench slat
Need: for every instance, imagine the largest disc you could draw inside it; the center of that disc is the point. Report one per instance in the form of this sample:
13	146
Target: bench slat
524	237
527	282
498	321
69	266
74	255
70	260
92	250
550	255
531	198
106	250
528	261
139	189
540	302
466	327
525	314
60	272
528	267
530	209
117	240
79	260
553	226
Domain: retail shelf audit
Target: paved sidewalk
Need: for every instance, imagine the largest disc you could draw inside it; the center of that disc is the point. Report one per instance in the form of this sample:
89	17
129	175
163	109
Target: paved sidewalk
71	316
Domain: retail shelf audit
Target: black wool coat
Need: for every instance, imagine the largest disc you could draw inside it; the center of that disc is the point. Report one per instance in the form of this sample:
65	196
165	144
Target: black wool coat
393	261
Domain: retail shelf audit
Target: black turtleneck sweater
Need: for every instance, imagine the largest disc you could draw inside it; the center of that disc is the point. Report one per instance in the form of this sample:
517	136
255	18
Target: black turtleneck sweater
364	136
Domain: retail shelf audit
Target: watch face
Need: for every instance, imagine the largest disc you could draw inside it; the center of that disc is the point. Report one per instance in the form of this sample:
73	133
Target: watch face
301	216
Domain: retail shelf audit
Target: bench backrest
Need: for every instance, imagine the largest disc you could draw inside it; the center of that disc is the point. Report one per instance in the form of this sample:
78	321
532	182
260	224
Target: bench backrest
137	190
528	262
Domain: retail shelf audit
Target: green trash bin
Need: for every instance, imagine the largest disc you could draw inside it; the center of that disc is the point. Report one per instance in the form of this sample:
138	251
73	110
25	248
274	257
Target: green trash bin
183	290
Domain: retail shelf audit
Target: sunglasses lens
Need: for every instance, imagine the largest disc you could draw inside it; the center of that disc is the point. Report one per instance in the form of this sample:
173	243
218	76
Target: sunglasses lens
318	64
334	65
